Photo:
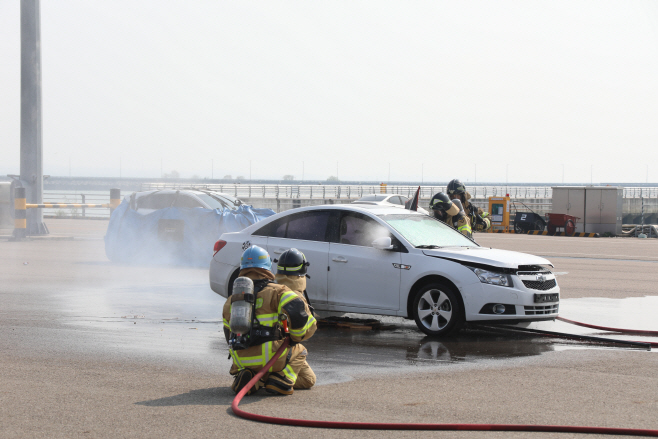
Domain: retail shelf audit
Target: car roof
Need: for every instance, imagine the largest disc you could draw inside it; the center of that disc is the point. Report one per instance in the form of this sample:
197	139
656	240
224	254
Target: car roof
375	209
173	191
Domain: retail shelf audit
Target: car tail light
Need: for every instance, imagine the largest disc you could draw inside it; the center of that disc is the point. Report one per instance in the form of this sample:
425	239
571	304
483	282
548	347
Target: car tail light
218	246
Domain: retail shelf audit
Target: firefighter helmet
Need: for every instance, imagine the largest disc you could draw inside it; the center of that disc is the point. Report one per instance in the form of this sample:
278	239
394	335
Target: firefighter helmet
440	201
255	257
456	187
292	262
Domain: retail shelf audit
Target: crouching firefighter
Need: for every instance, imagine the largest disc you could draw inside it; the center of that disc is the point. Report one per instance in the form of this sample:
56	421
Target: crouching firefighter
451	212
291	271
255	316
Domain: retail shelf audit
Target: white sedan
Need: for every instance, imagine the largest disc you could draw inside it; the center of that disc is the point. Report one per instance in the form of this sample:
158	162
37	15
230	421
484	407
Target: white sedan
380	260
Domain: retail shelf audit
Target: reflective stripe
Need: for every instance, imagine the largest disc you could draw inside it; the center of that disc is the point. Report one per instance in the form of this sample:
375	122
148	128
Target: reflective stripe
236	359
226	323
268	319
299	267
290	373
287	297
301	332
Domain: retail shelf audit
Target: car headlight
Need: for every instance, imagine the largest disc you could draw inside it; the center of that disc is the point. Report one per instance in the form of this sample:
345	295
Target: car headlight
489	277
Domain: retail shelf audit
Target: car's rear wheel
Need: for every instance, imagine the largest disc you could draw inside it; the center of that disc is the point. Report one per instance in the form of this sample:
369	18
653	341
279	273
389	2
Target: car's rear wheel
437	310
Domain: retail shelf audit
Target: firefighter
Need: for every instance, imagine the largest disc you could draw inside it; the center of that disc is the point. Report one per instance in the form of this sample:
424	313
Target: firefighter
450	212
270	304
479	219
291	271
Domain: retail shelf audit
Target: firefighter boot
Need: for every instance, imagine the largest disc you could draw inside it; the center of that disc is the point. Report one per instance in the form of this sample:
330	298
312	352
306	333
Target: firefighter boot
241	379
279	384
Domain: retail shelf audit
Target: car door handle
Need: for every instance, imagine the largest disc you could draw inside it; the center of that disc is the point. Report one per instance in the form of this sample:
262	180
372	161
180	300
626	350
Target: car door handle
279	250
339	259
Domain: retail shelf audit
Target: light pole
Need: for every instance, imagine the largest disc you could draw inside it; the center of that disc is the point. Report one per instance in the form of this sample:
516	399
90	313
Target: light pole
507	179
31	140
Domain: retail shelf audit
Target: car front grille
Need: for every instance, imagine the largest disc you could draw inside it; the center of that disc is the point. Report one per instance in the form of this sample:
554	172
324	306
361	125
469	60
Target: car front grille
541	309
542	286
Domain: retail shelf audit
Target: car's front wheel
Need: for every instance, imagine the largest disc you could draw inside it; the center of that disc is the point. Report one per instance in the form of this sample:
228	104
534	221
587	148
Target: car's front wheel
437	310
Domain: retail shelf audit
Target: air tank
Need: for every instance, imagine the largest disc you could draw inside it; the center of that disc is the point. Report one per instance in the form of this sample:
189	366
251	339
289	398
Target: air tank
241	309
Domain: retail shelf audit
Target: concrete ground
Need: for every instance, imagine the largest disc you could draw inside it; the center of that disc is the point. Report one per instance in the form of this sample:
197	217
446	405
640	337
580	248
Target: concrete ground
90	349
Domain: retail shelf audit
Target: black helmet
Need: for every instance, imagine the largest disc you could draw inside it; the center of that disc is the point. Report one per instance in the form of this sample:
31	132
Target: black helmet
456	187
292	262
440	201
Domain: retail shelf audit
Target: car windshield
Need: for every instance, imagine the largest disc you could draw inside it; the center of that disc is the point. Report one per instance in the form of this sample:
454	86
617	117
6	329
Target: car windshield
373	198
426	232
232	203
213	202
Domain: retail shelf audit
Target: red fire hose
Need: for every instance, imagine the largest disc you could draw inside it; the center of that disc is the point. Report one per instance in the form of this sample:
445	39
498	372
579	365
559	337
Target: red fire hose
605	328
401	426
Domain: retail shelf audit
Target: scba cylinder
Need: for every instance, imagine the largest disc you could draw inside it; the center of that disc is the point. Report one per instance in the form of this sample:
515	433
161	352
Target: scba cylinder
241	309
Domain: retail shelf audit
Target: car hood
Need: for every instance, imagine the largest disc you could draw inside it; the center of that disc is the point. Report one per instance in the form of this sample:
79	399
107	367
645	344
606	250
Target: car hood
486	256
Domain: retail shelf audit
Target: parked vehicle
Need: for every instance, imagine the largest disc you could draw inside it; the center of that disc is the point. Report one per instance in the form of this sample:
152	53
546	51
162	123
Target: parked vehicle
377	259
175	226
525	222
390	200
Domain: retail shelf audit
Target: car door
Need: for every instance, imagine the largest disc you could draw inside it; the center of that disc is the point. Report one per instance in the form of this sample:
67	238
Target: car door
362	278
307	232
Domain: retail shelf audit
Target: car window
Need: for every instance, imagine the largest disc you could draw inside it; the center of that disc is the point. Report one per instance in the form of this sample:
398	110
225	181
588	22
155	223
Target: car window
395	200
424	230
230	202
156	200
358	229
184	200
275	229
309	226
212	201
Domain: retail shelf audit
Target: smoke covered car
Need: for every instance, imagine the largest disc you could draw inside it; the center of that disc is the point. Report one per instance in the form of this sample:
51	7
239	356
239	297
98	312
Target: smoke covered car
391	200
382	260
175	226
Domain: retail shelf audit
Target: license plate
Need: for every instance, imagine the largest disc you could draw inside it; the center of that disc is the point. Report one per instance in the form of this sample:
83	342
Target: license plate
541	298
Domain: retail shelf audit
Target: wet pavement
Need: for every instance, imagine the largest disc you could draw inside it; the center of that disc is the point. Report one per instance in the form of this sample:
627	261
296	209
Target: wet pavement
181	324
169	314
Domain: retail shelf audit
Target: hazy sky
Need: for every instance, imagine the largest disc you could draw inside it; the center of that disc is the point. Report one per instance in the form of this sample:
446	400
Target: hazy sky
530	86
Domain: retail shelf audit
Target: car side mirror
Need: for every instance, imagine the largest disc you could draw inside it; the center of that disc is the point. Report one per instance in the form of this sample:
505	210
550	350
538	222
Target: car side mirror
383	243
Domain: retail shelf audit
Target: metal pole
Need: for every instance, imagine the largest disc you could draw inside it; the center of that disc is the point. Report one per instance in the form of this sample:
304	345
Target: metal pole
31	124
